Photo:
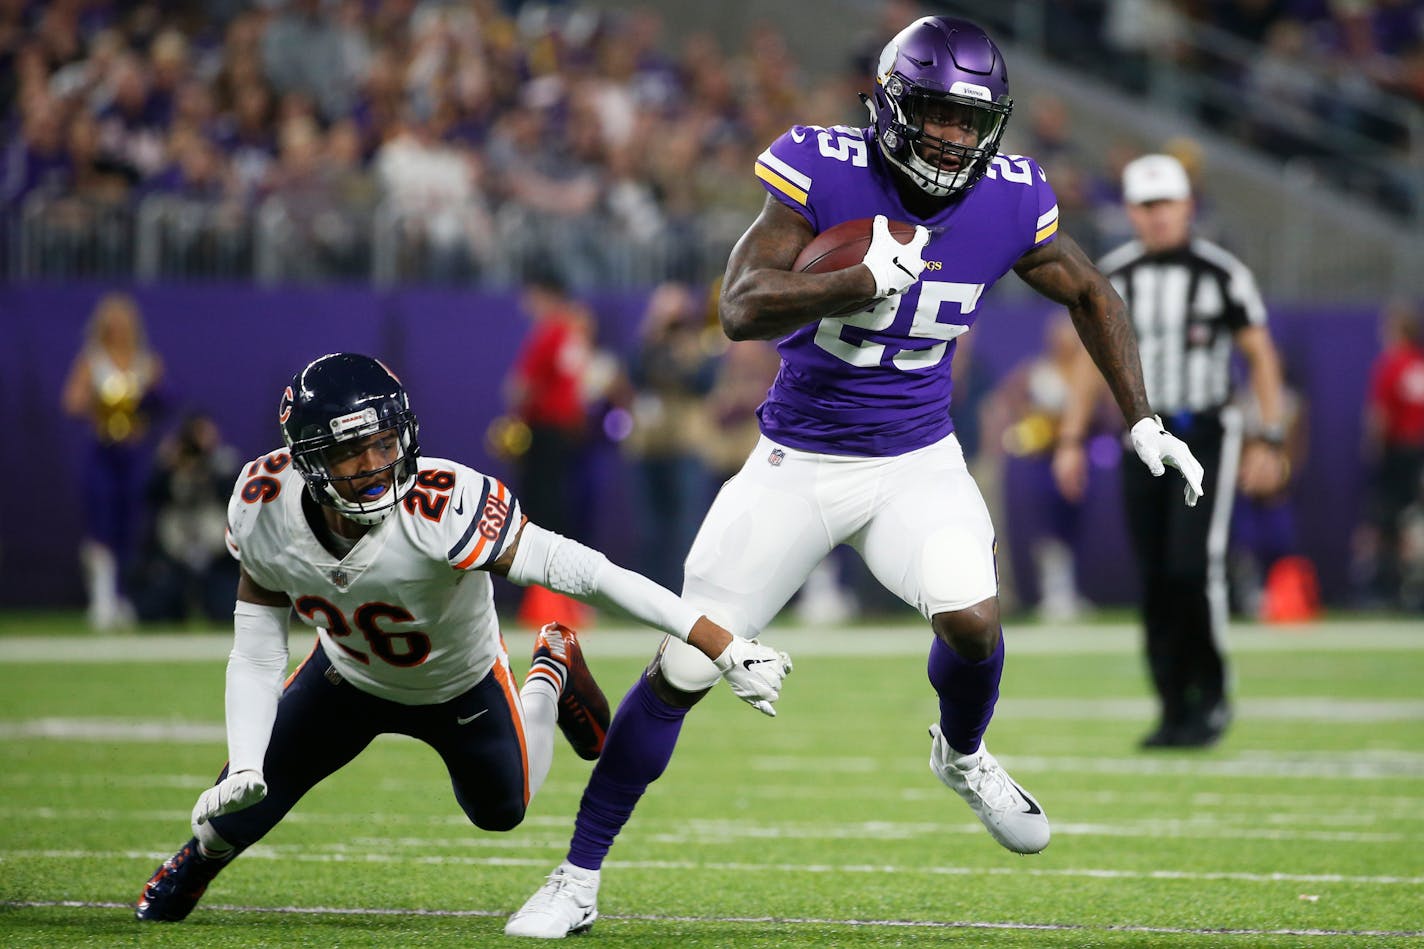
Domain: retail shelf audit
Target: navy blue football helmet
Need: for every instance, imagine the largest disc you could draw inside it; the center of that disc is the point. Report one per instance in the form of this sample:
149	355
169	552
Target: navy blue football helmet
337	398
949	70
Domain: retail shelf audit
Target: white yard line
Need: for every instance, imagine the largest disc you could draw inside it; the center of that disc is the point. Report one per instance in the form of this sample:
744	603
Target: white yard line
1397	765
1316	709
550	830
111	730
262	852
802	642
1320	766
1361	807
753	920
1310	709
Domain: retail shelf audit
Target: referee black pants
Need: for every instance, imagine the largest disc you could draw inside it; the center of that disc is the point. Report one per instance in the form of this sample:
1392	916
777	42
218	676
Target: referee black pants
1181	555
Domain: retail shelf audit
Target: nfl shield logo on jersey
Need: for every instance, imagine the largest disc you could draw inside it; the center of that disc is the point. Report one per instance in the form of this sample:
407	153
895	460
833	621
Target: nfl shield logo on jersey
776	457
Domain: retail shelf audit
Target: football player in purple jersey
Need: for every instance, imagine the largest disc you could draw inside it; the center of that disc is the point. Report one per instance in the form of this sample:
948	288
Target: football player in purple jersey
858	445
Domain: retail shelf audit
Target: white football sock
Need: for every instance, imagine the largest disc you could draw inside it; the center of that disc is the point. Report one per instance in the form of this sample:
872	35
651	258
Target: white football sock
578	872
541	715
209	842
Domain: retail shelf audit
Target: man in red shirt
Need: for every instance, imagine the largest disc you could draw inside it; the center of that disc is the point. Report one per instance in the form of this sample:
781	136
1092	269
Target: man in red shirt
544	392
1394	438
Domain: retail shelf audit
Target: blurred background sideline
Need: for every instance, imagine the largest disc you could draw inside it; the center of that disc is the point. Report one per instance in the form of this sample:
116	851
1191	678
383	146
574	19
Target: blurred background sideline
198	198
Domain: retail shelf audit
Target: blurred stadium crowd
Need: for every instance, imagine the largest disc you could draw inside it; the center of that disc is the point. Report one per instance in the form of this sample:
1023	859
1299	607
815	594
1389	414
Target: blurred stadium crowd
493	144
479	137
450	141
1327	55
1334	88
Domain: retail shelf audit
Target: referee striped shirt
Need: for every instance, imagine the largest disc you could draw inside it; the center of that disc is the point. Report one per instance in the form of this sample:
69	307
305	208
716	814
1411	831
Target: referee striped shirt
1186	305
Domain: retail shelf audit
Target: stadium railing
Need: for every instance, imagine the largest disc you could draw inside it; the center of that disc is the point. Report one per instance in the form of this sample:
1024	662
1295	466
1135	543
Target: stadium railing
167	237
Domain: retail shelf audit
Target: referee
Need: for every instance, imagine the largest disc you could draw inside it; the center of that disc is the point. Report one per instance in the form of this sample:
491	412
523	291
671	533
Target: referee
1189	302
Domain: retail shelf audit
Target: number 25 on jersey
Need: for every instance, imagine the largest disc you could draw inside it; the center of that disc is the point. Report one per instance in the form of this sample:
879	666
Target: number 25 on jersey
832	337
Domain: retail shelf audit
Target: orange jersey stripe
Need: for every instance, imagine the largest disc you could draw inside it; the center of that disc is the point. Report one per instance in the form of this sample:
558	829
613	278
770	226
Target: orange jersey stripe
516	710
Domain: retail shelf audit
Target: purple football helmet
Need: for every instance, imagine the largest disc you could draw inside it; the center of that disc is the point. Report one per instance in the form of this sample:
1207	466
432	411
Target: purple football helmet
947	72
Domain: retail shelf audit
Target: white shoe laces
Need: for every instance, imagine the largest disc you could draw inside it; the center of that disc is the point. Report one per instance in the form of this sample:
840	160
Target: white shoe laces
555	639
561	886
990	783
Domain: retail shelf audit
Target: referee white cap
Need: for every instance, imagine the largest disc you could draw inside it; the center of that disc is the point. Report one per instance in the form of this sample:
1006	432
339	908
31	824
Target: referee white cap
1155	178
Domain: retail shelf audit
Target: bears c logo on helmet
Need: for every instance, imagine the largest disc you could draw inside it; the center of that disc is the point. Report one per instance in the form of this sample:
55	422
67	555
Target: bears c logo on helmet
284	409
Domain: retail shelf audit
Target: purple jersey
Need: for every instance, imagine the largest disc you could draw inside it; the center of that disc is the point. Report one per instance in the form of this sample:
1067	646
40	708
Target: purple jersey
877	383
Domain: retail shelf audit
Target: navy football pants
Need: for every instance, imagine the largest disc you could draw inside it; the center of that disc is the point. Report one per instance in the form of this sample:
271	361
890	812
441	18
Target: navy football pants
323	722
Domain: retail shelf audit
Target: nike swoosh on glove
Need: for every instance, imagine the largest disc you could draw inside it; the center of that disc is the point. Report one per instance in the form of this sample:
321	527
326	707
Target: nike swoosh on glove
895	266
754	672
234	792
1158	448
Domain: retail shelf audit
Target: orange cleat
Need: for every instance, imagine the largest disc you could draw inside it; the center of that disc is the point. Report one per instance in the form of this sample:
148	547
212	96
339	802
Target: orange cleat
583	709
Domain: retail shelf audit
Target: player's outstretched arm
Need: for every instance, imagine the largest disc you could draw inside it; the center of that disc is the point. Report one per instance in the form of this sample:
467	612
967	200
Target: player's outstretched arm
255	670
763	298
1060	271
753	671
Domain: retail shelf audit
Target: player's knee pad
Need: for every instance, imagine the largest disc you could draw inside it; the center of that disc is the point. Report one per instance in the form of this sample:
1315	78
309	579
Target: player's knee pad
680	674
973	632
956	570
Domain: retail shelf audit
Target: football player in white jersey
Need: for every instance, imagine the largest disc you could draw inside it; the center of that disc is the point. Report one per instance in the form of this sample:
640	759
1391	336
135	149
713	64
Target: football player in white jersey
388	555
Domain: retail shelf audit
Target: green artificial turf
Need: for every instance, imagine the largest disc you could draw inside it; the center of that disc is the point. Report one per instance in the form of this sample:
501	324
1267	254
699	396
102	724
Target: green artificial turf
823	827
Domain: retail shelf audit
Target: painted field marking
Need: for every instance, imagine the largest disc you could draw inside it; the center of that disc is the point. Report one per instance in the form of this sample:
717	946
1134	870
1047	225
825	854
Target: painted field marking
264	852
756	920
898	639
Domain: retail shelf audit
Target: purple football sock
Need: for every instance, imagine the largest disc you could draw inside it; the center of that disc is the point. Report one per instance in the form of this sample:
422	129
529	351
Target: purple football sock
638	748
967	693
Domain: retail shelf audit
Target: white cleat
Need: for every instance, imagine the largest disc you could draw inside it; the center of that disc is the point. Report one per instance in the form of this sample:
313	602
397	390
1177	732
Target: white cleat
565	905
1012	816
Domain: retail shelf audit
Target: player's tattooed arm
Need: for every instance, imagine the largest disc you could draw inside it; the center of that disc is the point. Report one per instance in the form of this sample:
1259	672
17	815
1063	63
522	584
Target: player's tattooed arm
762	298
1063	273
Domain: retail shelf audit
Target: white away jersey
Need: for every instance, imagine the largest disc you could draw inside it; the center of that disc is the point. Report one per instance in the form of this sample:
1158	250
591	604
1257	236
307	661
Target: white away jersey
408	614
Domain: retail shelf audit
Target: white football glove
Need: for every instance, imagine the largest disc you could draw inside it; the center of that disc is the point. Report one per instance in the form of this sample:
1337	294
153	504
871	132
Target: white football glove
754	672
895	266
1158	448
234	792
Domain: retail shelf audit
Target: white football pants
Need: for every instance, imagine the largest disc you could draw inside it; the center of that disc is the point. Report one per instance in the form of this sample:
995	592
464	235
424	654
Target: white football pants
916	519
